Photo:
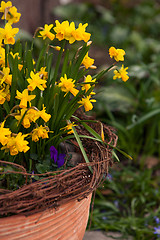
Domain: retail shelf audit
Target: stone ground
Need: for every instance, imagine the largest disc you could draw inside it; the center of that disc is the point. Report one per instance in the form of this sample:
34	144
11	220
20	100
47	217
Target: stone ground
98	235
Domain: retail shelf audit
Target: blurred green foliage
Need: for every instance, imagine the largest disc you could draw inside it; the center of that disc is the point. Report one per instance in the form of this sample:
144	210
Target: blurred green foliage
128	206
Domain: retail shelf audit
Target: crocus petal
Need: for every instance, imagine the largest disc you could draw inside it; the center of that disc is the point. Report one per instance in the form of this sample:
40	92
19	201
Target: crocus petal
54	153
61	159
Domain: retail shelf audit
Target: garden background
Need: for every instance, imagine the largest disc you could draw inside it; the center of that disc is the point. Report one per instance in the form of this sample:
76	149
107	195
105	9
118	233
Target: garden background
128	202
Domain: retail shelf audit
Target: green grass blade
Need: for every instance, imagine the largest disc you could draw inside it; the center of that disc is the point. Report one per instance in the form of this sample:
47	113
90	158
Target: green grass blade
81	148
144	118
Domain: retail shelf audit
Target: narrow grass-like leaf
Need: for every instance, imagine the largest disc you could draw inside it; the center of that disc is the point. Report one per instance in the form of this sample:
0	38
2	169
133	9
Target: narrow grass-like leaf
40	57
144	118
14	81
81	147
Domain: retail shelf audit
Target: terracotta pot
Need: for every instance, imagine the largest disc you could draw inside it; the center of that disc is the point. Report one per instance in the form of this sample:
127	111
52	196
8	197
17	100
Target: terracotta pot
68	222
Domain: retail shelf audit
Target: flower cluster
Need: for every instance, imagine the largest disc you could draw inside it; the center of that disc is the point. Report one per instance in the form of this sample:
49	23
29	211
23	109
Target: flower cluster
38	99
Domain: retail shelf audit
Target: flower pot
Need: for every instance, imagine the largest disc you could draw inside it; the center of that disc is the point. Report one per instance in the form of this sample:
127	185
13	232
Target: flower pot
67	222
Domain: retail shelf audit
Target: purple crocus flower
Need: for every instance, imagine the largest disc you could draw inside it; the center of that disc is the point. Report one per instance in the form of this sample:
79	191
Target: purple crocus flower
157	220
58	158
157	230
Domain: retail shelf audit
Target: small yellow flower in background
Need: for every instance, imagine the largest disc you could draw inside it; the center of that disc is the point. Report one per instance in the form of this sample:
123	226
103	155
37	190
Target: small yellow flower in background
46	32
12	16
45	116
87	103
17	144
118	54
5	76
35	81
87	61
5	134
5	5
69	128
80	34
24	97
67	85
87	86
8	33
122	73
2	56
14	55
39	132
20	66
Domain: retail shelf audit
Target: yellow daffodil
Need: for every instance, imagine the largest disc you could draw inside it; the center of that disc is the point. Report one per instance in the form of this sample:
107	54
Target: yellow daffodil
118	54
35	81
5	76
4	94
39	132
69	128
5	134
8	33
67	85
80	34
2	56
31	115
87	84
64	31
43	74
12	16
87	103
46	33
87	61
24	97
5	5
17	144
45	116
122	73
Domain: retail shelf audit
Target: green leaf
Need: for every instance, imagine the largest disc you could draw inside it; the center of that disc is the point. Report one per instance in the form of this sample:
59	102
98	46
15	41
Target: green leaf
144	118
14	81
81	147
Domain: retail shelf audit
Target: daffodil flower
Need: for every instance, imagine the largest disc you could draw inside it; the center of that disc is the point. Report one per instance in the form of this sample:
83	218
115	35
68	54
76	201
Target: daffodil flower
35	81
24	97
5	5
12	16
122	73
39	132
87	61
67	85
5	134
81	34
16	144
45	116
46	32
87	103
64	31
69	128
118	54
8	33
86	86
5	76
